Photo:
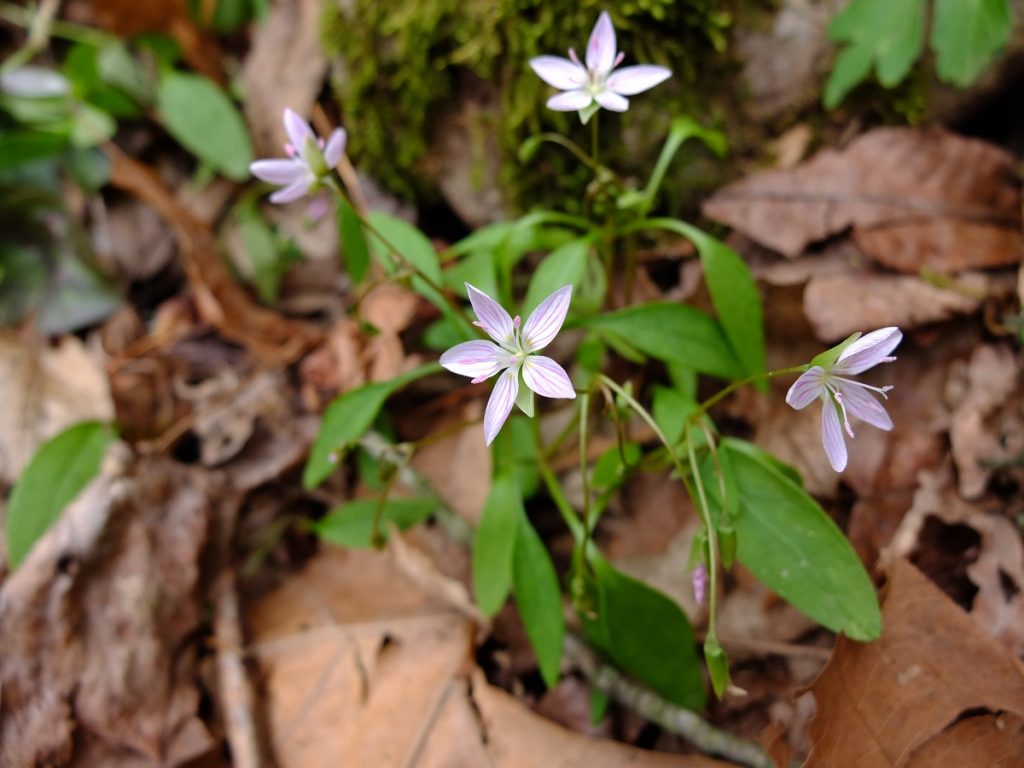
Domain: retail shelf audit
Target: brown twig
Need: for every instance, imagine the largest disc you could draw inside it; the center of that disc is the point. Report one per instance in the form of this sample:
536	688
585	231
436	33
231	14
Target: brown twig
669	716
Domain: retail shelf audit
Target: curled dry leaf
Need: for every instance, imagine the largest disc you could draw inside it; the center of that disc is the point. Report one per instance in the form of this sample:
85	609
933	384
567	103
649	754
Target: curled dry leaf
943	202
96	626
988	423
998	568
44	390
931	665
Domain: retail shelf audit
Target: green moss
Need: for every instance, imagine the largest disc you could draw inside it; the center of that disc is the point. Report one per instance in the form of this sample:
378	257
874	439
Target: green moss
398	63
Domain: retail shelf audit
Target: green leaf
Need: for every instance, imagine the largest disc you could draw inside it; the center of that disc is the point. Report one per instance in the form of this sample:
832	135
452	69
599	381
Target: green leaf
672	333
57	473
609	471
539	598
495	542
785	538
682	128
967	34
889	34
347	419
405	238
355	250
670	409
351	524
477	269
718	665
646	634
737	302
566	265
202	118
261	248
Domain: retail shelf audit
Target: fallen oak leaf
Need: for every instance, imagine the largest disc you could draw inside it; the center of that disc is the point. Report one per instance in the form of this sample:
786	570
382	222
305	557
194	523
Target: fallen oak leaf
881	701
914	198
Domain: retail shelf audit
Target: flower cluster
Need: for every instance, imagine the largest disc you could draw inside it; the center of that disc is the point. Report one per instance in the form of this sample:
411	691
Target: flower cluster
310	159
828	380
596	83
513	355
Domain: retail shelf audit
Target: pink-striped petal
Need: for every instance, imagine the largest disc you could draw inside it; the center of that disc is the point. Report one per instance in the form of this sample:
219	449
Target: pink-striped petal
279	171
868	351
546	320
546	377
601	48
298	131
477	359
492	318
335	147
807	388
561	73
611	100
832	436
632	80
864	405
499	406
293	191
570	101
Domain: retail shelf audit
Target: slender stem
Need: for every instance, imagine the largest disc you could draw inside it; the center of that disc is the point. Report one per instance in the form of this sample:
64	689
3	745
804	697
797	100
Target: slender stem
588	523
39	26
726	391
705	513
568	514
376	538
593	139
572	147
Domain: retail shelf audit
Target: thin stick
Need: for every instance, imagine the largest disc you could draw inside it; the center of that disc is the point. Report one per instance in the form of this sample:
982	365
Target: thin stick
669	716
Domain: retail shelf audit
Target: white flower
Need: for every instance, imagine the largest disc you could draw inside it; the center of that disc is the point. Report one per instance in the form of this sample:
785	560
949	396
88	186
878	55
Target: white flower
513	354
309	160
595	82
842	397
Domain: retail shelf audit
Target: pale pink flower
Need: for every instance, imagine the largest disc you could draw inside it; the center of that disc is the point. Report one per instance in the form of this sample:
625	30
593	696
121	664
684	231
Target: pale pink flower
309	160
583	86
828	380
512	355
700	583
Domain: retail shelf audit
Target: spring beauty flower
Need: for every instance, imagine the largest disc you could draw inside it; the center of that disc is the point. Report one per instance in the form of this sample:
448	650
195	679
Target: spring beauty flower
309	160
828	380
513	355
583	86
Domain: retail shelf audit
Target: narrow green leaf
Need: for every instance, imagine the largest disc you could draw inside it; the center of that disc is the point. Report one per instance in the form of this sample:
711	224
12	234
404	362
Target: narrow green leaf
785	538
355	250
57	473
351	524
682	128
967	35
539	598
646	634
672	333
347	419
262	251
495	542
407	240
200	115
566	265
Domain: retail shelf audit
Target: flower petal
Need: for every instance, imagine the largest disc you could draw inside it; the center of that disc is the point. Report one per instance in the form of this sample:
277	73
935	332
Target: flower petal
864	405
298	131
570	101
807	388
546	377
611	100
500	403
601	48
293	191
868	351
476	359
631	80
335	147
493	318
832	436
546	320
561	73
278	171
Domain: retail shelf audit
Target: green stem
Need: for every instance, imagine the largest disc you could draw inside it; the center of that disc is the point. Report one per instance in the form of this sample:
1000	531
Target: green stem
588	525
593	140
728	390
568	514
705	513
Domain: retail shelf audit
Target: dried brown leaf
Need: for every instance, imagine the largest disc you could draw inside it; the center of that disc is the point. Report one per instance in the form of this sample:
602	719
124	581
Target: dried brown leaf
44	390
985	741
914	198
879	702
